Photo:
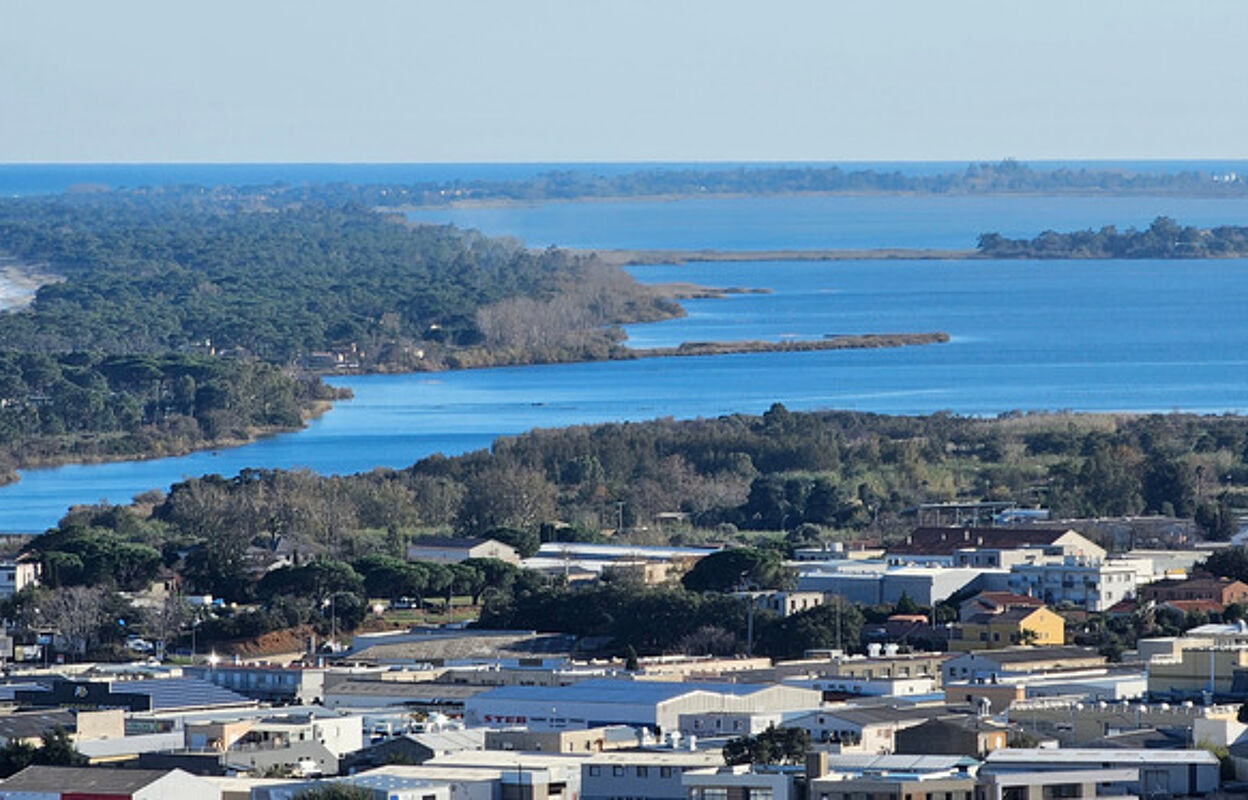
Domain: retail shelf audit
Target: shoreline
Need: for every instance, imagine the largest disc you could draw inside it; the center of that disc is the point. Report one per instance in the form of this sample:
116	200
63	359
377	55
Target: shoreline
625	257
316	409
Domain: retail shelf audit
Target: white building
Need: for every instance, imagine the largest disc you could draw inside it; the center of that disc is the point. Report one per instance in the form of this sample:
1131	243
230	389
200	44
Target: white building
654	704
17	575
876	582
1093	584
1163	773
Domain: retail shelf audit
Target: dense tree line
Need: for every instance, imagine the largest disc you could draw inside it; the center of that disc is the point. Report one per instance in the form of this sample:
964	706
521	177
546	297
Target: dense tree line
1007	176
85	404
143	276
813	476
1164	238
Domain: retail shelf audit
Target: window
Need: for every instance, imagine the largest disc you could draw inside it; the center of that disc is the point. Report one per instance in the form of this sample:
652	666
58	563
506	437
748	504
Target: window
665	772
764	793
617	771
595	770
715	793
643	772
1063	790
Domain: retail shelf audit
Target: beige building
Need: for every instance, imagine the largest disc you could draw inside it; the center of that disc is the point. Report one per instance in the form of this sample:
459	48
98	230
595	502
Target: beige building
452	550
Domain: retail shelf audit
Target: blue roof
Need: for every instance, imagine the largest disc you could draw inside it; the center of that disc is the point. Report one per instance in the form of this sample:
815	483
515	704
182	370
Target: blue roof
169	693
609	690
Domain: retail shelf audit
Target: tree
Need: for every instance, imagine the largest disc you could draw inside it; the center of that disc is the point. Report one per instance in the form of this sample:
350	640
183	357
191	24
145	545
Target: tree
906	605
334	790
738	567
58	750
77	613
499	497
772	746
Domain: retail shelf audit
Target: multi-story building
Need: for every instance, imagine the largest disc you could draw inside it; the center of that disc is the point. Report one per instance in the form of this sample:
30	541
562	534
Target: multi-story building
17	575
1087	582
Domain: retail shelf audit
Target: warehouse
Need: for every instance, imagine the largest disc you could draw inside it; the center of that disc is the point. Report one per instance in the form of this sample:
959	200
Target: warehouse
654	704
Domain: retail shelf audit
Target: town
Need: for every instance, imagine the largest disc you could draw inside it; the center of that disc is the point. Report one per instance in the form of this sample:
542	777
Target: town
992	652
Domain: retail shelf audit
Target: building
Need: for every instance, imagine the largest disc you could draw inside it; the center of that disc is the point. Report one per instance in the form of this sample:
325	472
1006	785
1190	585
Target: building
939	545
784	603
1086	582
644	776
414	748
1222	591
1076	723
961	735
17	575
995	603
990	665
1196	672
86	783
452	550
156	694
267	682
381	786
1094	684
656	705
742	782
867	729
1017	626
1082	783
1162	773
876	582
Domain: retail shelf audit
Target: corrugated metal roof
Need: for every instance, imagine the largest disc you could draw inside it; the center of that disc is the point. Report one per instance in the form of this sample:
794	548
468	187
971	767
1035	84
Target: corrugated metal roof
85	780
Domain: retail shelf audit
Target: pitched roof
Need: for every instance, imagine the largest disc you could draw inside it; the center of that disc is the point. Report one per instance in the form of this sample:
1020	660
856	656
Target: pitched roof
1005	599
82	780
1010	615
455	542
28	725
1189	606
944	541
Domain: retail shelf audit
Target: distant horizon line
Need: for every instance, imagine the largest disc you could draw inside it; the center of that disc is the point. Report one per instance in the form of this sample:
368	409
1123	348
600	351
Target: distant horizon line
776	161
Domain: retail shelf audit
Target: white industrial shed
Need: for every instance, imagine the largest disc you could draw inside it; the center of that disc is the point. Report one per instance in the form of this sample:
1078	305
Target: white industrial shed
654	704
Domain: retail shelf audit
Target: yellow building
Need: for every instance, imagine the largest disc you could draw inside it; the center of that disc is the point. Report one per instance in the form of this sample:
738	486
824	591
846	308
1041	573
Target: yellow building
1193	671
1034	626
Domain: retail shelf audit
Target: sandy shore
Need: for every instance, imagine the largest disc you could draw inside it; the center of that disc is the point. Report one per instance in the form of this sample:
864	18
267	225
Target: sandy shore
19	282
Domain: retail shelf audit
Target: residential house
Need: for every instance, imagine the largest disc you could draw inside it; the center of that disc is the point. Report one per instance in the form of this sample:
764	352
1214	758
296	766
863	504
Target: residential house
1018	626
1222	591
995	603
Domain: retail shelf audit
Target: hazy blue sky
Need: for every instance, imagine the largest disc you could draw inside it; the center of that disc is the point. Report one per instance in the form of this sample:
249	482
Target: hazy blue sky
521	80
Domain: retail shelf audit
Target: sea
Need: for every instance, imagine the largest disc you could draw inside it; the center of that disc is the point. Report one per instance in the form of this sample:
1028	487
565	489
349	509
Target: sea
1025	335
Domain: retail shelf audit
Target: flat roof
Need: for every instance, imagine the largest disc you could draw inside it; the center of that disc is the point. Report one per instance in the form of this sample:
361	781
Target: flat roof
609	690
1093	756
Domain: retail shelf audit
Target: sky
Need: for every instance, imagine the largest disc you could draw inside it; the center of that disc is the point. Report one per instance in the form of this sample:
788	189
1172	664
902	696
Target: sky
624	80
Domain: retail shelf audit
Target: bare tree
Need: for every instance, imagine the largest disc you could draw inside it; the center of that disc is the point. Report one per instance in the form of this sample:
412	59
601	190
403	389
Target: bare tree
77	613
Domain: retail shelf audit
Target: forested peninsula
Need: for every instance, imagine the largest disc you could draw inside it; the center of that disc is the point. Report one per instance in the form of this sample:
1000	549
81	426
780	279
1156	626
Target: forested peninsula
182	322
187	319
581	184
1164	238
